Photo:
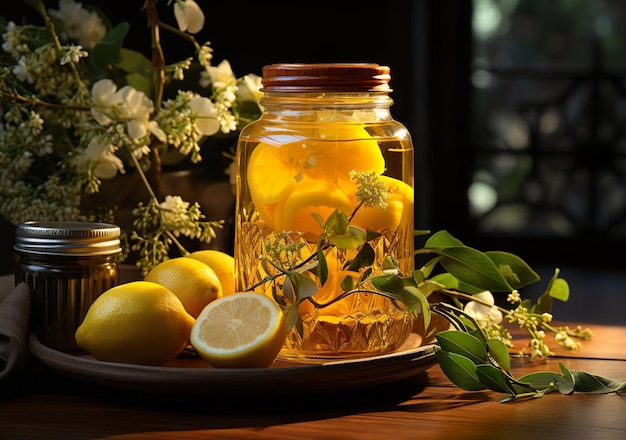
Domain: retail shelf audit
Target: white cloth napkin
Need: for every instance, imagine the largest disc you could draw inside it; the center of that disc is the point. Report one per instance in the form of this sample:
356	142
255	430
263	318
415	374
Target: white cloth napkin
14	314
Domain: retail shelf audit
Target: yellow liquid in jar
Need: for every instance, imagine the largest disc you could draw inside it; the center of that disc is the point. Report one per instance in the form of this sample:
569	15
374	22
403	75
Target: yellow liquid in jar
307	176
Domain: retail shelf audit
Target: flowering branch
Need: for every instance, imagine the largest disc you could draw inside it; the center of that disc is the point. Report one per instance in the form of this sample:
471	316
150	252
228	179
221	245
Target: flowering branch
79	108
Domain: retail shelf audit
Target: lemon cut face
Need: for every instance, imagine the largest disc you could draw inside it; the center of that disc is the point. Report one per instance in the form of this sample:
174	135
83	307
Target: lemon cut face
243	330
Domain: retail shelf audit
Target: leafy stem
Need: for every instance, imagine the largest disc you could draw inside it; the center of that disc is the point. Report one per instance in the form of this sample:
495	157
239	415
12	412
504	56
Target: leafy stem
474	362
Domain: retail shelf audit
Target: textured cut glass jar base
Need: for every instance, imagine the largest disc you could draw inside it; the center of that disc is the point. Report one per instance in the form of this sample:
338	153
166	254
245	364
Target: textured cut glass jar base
372	326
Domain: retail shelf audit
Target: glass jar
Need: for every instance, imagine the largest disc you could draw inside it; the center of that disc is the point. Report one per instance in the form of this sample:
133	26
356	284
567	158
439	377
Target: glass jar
324	129
66	265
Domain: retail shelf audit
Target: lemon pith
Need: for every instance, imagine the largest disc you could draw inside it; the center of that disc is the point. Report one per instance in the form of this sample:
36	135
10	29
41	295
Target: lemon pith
243	330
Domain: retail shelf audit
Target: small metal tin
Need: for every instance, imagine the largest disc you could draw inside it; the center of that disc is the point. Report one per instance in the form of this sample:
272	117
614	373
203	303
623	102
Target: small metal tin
67	265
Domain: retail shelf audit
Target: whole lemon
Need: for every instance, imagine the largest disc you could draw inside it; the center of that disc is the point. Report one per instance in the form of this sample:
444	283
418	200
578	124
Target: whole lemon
192	281
222	263
136	323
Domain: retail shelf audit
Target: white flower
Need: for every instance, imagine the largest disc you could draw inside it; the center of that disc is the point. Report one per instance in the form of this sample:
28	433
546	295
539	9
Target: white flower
482	312
135	109
205	55
74	54
250	88
189	16
174	210
79	23
11	42
206	115
219	76
104	99
22	72
108	164
125	105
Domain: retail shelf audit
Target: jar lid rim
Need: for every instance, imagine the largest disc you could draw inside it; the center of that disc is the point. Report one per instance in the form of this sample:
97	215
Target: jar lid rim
67	238
341	77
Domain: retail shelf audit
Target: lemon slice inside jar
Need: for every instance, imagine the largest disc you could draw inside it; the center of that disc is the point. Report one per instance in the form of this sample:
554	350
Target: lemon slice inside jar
295	212
330	154
398	211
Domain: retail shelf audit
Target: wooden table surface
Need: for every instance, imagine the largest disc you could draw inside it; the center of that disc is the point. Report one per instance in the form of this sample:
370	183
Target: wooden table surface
45	405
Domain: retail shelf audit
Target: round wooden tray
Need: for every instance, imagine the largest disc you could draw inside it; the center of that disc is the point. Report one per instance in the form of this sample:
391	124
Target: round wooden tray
193	376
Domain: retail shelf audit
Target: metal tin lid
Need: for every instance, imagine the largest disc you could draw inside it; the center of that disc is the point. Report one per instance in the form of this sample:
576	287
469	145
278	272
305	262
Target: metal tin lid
67	238
335	77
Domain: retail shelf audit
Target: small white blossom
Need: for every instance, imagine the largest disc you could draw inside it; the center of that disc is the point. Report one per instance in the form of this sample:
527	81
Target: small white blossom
206	115
189	16
11	42
104	98
174	210
205	55
107	164
22	72
482	312
135	109
219	76
513	297
78	23
125	105
250	88
74	54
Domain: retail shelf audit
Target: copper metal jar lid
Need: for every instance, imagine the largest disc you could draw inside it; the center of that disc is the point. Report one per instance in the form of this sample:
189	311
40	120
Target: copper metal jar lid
67	238
335	77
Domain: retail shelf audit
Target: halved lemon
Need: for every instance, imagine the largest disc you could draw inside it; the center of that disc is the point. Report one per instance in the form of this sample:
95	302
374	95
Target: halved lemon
243	330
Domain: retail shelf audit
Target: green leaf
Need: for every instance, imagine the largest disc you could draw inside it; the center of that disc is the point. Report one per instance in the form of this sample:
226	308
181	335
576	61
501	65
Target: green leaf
417	277
337	223
318	219
559	289
464	344
539	379
459	370
352	239
388	283
364	258
429	266
291	316
140	82
592	384
412	296
500	353
322	265
429	286
302	284
513	268
39	6
347	284
108	51
132	61
475	268
494	379
442	239
451	282
565	383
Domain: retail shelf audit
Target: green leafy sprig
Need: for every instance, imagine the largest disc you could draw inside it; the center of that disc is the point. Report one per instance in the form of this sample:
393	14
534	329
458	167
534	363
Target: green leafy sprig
473	362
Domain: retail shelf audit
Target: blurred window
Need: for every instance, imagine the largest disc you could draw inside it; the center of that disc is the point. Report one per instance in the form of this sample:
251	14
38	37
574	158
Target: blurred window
548	105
